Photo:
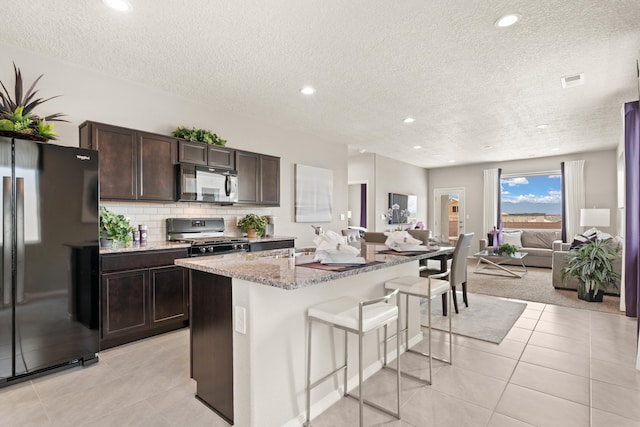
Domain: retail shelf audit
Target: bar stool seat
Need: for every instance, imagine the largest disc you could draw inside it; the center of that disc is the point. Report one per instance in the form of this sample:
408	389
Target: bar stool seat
424	288
356	316
344	312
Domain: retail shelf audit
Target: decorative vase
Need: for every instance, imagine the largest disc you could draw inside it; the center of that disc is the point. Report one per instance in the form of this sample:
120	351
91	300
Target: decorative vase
105	242
590	296
252	233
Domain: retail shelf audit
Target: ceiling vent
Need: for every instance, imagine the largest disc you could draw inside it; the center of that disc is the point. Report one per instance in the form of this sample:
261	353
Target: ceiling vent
572	80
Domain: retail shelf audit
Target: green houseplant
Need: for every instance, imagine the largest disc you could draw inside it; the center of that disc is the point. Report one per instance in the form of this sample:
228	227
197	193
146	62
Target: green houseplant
200	135
17	118
507	249
253	224
114	228
591	264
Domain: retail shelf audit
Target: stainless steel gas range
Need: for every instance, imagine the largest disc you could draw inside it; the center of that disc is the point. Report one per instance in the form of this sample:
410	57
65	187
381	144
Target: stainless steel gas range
206	236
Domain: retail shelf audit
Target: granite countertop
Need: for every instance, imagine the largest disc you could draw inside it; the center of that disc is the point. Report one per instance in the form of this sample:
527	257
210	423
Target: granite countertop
151	246
276	268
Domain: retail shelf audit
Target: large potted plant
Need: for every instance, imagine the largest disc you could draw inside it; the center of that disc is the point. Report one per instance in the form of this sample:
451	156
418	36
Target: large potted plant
254	225
17	119
592	264
115	229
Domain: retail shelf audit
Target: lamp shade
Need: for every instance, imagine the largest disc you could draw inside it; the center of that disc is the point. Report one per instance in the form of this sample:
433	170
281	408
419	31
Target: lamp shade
594	217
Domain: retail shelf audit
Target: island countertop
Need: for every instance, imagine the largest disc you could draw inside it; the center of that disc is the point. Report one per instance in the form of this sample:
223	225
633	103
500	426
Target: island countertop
278	269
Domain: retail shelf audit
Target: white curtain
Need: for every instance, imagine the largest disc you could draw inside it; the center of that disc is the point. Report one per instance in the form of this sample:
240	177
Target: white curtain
574	196
490	207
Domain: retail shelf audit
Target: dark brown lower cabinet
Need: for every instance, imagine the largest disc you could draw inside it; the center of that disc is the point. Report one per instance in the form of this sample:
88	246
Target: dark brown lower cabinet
142	297
212	341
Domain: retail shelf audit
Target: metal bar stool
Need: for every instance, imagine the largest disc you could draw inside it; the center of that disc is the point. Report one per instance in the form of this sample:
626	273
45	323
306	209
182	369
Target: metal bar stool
421	287
359	317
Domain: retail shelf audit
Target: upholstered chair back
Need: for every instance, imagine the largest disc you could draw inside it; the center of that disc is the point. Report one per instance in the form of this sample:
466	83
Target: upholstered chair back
459	261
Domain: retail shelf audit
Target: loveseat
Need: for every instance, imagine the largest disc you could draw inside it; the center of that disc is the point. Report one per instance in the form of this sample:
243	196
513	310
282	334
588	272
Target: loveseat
560	252
538	244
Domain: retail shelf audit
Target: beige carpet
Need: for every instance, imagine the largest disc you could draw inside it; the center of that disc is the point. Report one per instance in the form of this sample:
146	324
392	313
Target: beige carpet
534	286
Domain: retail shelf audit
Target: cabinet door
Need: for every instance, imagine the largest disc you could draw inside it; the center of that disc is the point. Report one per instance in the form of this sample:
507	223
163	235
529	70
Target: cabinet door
192	152
156	167
124	303
269	180
169	295
221	157
247	165
118	161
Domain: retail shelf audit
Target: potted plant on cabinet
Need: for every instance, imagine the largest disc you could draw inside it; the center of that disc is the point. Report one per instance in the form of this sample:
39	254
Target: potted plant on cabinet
591	263
253	224
114	229
17	119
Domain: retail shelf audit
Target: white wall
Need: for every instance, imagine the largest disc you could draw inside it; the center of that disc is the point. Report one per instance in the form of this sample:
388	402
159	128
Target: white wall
91	95
600	183
384	176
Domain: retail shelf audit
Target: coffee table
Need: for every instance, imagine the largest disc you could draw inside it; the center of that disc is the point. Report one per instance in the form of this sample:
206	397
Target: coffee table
487	260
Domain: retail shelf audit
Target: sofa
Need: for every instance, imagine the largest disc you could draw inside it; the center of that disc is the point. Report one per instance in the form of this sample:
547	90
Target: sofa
538	244
560	251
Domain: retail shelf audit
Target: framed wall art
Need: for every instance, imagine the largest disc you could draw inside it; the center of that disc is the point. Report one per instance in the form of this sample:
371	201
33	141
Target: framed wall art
314	194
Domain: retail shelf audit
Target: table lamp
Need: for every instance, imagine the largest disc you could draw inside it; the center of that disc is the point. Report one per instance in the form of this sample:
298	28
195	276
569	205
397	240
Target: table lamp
594	217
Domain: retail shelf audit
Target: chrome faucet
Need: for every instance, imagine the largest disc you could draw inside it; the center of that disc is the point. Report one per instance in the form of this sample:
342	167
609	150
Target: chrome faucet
318	230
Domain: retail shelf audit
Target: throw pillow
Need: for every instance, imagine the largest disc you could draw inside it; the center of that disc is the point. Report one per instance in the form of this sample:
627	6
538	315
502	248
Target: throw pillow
513	238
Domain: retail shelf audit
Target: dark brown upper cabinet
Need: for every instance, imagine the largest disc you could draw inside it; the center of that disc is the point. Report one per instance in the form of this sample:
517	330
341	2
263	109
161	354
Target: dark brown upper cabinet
134	165
199	153
258	179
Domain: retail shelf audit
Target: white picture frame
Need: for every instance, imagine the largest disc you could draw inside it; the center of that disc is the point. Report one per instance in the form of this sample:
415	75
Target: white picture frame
314	194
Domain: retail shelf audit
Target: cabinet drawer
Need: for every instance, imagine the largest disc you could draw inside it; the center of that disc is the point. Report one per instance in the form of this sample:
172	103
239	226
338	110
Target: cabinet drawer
129	260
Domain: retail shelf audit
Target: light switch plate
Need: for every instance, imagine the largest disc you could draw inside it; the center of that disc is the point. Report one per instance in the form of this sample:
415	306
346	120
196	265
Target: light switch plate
240	320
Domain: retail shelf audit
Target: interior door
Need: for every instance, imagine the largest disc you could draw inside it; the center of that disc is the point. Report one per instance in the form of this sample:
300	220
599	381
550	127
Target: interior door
449	213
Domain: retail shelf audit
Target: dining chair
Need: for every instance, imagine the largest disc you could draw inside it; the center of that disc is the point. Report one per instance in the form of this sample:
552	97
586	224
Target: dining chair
459	270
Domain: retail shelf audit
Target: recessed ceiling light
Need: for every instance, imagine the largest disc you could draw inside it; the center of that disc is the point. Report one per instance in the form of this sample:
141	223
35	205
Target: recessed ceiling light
542	126
555	149
119	5
409	120
362	150
452	161
417	147
487	147
507	20
307	90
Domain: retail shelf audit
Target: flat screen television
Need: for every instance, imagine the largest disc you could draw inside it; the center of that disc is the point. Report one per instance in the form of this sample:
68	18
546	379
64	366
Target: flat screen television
401	200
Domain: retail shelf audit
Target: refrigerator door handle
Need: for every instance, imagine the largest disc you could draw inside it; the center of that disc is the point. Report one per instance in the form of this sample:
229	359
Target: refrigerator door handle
19	239
7	241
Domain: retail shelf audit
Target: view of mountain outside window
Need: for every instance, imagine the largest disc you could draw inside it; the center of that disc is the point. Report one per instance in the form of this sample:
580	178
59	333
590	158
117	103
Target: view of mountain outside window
531	201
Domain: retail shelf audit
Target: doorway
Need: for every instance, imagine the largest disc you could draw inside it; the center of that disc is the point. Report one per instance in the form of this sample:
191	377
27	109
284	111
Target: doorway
357	205
449	214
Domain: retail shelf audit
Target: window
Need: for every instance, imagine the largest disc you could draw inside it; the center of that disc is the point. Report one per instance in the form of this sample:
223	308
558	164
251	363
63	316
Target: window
531	201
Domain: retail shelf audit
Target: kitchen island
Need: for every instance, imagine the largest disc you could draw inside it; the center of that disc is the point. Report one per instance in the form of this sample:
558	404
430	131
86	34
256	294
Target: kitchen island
248	330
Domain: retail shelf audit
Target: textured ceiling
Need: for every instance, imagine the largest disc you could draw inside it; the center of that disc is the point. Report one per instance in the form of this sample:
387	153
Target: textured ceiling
468	84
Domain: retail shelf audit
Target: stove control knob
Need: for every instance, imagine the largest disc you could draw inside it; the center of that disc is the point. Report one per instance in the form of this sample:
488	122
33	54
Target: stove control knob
210	249
203	250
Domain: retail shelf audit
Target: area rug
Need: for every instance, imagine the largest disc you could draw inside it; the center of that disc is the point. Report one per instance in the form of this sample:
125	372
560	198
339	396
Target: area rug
487	318
535	286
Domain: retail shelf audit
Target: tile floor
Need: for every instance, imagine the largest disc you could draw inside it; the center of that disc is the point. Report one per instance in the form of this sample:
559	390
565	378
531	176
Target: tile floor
558	366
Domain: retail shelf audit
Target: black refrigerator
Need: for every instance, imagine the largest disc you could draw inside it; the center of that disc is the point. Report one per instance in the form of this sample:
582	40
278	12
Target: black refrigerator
49	271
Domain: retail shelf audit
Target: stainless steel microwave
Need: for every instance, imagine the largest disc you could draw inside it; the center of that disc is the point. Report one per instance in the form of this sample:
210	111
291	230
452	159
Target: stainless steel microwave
205	184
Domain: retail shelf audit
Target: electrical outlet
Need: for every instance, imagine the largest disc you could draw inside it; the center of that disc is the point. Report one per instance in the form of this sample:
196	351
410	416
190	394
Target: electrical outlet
238	218
240	320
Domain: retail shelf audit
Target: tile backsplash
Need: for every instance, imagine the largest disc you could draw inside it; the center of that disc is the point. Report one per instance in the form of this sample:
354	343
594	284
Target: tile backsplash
155	214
